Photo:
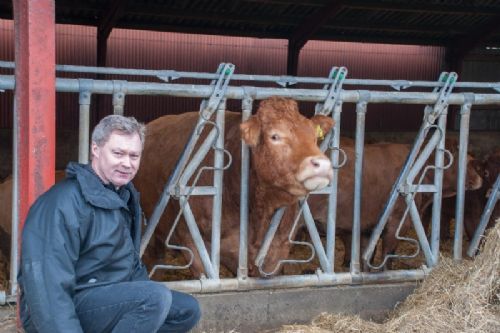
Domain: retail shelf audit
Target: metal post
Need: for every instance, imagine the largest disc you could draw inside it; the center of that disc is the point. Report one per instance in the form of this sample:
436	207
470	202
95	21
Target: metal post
462	169
332	197
84	120
34	102
358	179
438	182
218	177
245	171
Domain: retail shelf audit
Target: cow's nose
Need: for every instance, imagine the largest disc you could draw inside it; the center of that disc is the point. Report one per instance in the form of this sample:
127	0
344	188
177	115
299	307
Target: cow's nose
321	165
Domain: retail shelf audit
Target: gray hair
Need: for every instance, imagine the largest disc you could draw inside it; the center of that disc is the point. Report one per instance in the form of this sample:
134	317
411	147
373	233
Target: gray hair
114	122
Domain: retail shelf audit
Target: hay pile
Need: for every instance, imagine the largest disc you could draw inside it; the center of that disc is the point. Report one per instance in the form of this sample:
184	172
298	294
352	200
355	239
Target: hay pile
454	298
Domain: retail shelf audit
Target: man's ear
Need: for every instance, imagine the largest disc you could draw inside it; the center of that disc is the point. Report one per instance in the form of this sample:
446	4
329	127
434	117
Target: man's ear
94	150
250	131
322	125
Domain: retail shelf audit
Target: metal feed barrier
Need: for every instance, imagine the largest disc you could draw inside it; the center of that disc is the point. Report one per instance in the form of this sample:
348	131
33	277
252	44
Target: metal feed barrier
329	99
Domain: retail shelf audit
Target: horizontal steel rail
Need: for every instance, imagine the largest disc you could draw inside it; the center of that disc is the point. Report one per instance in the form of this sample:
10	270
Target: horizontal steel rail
312	95
169	75
248	94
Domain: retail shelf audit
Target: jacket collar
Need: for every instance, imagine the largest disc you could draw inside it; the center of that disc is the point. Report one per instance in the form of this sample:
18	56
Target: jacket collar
94	190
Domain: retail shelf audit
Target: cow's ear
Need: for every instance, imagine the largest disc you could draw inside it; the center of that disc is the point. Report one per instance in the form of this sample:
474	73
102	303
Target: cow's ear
250	131
322	124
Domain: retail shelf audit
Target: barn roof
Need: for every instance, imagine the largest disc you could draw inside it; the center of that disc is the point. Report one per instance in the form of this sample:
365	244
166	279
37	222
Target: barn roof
451	23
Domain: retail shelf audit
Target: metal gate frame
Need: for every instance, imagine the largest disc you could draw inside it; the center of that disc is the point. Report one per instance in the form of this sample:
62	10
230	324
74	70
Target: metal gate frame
330	98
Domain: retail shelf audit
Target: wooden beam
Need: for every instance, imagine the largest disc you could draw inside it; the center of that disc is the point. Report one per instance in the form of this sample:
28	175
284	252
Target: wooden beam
106	24
461	47
305	30
313	23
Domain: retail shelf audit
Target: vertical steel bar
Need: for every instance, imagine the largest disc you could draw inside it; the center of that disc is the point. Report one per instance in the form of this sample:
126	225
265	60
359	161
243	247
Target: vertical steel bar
218	178
438	182
197	239
462	168
245	171
84	127
358	180
419	229
119	91
332	196
316	240
268	238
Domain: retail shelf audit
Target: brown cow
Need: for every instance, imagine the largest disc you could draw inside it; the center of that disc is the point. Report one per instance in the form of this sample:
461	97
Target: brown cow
475	201
6	212
382	165
286	164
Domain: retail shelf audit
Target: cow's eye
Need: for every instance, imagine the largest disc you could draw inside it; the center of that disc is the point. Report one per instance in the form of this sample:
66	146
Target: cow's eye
275	137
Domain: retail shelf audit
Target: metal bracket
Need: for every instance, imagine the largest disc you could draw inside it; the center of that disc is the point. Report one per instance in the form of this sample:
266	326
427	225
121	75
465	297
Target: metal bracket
431	113
168	75
119	91
208	106
286	81
338	76
85	86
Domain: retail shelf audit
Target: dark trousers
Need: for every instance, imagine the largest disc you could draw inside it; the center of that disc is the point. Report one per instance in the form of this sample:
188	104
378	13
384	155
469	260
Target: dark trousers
138	306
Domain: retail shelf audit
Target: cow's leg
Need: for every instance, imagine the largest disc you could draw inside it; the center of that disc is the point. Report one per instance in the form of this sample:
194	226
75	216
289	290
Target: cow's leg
346	239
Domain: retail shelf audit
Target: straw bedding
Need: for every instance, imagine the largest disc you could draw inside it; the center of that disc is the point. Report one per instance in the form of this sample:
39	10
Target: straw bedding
455	297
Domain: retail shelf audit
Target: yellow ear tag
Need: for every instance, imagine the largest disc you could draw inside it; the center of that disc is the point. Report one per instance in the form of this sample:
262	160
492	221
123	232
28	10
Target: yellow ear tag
319	132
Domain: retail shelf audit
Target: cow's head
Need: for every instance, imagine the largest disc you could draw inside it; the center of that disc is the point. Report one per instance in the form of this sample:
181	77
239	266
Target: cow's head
284	147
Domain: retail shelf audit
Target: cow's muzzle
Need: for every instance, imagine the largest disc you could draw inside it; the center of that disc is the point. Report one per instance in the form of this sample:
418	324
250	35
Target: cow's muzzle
315	172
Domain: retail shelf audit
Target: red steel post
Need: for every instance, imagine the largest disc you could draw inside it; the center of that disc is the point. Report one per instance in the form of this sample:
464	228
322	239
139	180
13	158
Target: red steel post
34	23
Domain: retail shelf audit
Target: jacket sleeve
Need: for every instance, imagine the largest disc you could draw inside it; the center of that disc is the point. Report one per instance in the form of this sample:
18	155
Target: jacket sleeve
50	249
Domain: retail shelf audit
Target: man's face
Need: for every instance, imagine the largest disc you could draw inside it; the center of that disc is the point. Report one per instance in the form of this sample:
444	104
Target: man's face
117	161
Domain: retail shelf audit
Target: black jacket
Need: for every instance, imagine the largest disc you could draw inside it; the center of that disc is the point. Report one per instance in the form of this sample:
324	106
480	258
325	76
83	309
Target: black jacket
77	235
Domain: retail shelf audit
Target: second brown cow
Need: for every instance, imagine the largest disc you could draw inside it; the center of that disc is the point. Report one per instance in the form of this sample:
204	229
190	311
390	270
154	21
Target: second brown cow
382	165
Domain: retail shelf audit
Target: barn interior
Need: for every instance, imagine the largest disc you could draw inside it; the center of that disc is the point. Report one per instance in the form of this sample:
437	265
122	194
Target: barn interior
374	40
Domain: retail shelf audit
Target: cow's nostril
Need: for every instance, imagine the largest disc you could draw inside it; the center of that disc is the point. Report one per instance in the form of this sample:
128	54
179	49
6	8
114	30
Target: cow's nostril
315	163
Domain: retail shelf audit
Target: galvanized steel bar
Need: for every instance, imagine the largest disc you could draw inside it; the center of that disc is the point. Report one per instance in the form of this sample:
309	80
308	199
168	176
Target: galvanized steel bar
242	273
485	217
358	180
197	239
197	158
169	75
84	120
268	238
119	92
296	281
331	219
419	229
312	95
462	169
438	181
316	240
218	177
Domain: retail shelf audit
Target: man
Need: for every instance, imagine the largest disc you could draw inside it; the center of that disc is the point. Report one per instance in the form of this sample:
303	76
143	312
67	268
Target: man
80	270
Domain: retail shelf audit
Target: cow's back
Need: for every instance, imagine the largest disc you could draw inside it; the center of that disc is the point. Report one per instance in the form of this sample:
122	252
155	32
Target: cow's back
166	138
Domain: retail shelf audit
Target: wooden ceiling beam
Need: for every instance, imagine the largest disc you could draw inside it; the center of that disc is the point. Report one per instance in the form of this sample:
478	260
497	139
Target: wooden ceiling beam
305	30
405	6
460	47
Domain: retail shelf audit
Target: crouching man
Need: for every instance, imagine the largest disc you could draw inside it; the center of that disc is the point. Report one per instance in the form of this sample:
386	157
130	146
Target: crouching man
80	269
